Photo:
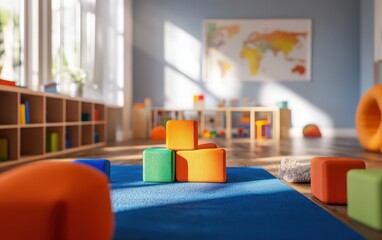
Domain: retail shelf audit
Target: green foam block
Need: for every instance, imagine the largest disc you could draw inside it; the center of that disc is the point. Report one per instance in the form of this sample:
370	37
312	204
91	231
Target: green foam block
364	189
158	165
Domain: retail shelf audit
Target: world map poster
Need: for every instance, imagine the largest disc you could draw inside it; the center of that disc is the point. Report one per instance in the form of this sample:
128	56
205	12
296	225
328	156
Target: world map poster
257	50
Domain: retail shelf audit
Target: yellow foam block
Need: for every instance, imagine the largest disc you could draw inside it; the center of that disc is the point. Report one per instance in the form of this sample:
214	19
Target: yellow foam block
207	145
181	135
203	165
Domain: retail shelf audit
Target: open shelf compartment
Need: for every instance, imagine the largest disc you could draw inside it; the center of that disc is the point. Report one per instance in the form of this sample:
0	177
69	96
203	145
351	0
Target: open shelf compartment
54	110
99	112
86	111
54	139
31	141
8	106
86	135
72	137
72	111
8	144
99	133
36	107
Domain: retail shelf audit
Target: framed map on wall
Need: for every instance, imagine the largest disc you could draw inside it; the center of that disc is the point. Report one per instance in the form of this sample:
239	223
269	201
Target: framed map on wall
257	50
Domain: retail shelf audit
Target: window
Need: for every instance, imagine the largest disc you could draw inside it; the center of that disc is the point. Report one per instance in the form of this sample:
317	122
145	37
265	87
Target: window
11	40
43	40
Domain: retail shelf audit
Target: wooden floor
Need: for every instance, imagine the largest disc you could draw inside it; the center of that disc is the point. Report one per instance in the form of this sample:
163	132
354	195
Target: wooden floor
242	152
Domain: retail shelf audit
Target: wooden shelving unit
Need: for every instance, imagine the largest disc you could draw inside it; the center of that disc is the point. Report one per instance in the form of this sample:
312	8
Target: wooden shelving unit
228	115
77	124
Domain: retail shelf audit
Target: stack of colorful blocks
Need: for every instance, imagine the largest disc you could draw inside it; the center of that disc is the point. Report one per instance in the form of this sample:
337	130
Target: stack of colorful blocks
183	159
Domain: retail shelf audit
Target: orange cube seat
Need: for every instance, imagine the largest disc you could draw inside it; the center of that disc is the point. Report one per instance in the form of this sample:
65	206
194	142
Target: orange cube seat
181	135
202	165
328	177
55	200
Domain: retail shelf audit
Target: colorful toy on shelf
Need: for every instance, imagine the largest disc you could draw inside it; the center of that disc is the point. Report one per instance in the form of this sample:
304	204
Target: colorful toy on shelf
22	116
311	130
7	82
199	101
183	157
96	137
282	104
243	132
221	133
50	87
52	143
206	134
96	114
27	113
262	129
158	133
68	138
245	102
212	134
3	149
221	103
85	117
234	102
102	165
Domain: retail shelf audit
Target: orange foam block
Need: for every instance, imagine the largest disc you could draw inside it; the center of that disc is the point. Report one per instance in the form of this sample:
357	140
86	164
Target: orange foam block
181	135
55	200
207	145
203	165
328	178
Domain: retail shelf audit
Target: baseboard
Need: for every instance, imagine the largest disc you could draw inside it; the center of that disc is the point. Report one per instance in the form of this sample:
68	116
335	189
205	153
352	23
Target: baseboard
327	132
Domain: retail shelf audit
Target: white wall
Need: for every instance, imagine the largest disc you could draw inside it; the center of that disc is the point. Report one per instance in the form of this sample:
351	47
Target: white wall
378	30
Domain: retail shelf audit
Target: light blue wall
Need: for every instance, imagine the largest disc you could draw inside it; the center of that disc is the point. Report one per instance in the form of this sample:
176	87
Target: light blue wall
329	99
367	45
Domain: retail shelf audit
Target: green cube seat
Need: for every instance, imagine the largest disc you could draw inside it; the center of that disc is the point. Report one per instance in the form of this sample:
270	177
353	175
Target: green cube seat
365	197
158	165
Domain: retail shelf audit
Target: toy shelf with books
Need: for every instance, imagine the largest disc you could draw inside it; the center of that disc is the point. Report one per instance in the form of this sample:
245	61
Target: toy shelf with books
36	125
229	122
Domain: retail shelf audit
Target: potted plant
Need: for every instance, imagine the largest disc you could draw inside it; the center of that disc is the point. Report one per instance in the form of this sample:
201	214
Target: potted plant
78	77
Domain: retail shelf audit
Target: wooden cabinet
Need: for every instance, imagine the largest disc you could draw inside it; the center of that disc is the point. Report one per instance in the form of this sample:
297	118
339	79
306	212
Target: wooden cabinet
56	124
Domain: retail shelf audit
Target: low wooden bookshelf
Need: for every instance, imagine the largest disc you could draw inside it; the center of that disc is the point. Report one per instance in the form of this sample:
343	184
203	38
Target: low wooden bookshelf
76	124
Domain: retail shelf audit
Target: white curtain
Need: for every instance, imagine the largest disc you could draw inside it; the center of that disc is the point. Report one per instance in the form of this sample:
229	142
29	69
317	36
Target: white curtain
109	50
